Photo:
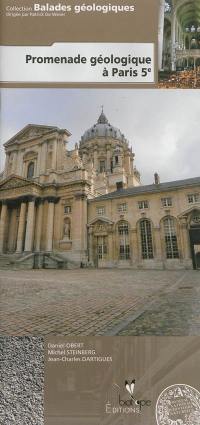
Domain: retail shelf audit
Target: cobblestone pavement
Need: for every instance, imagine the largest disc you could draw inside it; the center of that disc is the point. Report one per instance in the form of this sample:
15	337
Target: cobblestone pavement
175	312
97	302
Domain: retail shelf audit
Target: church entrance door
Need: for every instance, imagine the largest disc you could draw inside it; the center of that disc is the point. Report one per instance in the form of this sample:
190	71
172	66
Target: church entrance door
197	255
101	251
195	245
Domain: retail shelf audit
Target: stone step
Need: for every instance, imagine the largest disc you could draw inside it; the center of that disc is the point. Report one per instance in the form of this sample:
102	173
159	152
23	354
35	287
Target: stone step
6	262
37	261
16	261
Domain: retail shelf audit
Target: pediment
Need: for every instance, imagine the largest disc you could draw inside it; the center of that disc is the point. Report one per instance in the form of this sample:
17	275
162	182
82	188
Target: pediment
34	132
99	221
30	132
13	182
190	211
102	226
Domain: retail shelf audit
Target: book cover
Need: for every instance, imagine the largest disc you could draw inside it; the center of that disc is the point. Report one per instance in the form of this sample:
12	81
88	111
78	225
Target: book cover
99	212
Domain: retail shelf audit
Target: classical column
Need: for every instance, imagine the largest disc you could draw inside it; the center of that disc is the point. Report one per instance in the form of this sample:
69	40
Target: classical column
158	245
14	162
79	227
84	223
19	170
60	153
90	243
21	227
173	42
84	159
4	211
185	239
95	158
110	246
161	32
30	225
128	162
131	161
43	157
24	169
108	158
6	166
11	240
38	231
134	246
120	160
54	155
50	221
38	162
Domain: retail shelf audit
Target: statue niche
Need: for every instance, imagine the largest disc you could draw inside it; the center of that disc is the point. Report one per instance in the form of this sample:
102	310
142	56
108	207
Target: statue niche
67	229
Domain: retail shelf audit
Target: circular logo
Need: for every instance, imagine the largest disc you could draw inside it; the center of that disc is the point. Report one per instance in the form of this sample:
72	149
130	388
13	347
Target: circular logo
178	404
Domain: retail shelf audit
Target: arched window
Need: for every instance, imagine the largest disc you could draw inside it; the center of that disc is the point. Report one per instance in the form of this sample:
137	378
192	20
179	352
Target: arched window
146	239
171	244
30	170
124	246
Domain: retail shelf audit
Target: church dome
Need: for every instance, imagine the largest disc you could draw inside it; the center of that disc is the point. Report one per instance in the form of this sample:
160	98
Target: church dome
103	129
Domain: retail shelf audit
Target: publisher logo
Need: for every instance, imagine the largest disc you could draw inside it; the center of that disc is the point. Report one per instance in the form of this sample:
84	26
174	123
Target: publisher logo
130	387
129	403
178	404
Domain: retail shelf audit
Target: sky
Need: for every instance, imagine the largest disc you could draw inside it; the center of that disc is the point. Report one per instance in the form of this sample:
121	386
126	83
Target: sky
163	126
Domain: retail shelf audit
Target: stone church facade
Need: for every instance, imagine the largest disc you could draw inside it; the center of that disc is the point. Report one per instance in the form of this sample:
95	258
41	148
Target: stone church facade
87	207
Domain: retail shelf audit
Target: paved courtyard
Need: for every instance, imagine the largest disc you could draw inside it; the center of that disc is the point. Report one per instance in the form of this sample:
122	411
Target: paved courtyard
99	302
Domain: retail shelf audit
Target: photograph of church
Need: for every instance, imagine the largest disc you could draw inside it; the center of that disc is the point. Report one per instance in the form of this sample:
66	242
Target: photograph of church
87	206
179	44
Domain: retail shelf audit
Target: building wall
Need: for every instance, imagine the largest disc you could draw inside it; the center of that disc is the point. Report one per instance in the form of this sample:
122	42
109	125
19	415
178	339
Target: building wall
107	225
56	210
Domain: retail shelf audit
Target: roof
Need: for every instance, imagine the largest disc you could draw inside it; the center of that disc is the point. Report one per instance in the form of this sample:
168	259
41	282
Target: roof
103	129
151	188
